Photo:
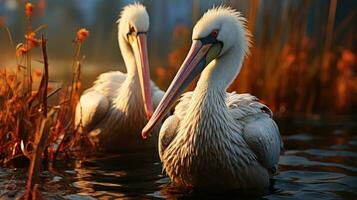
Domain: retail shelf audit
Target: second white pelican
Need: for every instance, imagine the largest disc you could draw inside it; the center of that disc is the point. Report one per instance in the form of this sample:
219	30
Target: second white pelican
117	107
216	140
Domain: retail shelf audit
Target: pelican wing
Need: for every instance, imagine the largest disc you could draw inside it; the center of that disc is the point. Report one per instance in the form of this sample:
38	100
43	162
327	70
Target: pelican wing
243	105
91	109
260	131
168	129
168	132
108	83
94	102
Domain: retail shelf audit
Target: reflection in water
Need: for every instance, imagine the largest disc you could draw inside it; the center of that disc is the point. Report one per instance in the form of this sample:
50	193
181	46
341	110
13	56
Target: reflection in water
90	181
319	163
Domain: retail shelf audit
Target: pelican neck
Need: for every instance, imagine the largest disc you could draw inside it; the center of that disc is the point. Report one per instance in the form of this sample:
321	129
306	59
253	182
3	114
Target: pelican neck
209	97
129	91
128	57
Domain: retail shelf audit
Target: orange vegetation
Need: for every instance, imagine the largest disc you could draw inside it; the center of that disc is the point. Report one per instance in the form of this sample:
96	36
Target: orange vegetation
28	9
82	34
30	127
2	22
293	72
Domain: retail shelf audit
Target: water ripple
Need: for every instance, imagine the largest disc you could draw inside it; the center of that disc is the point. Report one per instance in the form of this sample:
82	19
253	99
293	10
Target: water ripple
319	163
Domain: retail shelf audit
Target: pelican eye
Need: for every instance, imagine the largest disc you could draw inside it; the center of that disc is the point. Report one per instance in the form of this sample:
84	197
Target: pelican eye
131	34
131	29
211	38
214	33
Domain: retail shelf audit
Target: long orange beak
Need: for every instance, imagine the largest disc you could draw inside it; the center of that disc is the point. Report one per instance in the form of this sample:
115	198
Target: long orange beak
142	62
194	63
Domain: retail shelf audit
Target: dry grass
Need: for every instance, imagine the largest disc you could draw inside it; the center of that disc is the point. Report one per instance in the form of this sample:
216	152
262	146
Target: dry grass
30	127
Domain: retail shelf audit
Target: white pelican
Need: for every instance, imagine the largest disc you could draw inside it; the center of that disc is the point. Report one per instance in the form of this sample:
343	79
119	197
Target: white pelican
117	107
216	140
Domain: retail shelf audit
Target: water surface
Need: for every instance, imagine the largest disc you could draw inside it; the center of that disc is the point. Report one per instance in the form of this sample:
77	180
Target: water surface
320	162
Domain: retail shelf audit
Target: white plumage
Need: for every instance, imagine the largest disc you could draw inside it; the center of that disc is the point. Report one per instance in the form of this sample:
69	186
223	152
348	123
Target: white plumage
116	108
216	140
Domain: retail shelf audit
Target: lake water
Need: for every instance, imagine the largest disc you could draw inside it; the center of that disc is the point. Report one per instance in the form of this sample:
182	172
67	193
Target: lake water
320	162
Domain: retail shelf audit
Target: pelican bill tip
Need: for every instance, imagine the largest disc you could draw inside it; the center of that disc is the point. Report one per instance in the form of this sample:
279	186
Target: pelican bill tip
144	134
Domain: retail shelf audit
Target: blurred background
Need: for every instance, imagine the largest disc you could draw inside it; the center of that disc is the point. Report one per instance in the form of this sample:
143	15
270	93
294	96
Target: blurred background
302	63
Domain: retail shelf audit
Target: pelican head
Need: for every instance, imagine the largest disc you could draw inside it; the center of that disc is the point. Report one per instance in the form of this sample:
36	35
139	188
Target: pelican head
133	26
220	33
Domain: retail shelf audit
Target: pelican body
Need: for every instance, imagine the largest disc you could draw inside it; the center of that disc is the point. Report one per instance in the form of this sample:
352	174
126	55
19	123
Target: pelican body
117	107
216	140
